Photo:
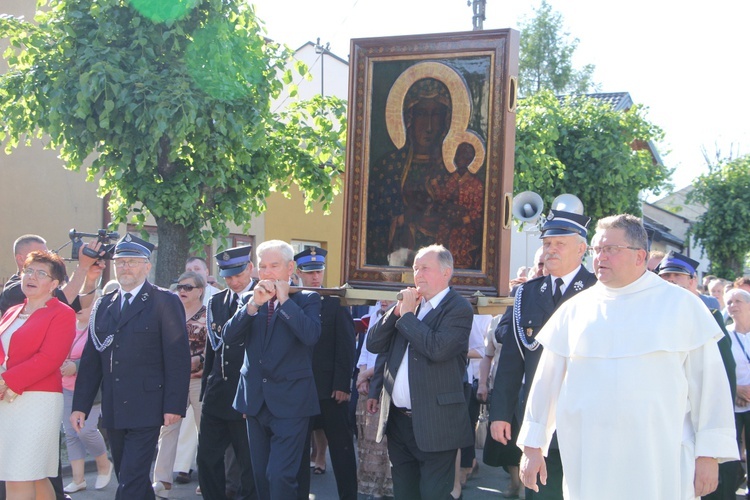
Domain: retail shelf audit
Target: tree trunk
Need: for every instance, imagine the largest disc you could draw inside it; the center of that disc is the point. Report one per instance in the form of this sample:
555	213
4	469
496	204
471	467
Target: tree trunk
174	246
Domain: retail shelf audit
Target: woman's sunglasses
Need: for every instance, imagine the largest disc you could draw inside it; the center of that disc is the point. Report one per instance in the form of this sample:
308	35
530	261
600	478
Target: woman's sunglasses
187	288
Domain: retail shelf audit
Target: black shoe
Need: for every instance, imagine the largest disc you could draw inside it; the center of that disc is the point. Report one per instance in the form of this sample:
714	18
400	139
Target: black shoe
183	477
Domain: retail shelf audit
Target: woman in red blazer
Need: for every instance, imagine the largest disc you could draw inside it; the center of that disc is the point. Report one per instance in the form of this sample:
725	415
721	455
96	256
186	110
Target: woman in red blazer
35	338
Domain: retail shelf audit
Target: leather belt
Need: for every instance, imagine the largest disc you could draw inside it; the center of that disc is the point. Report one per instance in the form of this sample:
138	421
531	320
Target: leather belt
405	411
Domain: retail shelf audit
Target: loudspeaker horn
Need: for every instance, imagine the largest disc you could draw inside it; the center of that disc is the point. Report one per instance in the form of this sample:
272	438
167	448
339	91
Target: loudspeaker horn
527	206
568	203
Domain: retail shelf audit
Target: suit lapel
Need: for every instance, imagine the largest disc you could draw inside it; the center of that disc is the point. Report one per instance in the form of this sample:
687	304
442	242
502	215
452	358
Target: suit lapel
544	296
112	310
137	305
578	284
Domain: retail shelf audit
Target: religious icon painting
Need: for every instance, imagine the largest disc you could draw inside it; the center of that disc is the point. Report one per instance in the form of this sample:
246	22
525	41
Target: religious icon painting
430	157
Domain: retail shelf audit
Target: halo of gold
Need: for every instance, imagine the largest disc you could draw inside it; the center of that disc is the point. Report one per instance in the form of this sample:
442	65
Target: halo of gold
458	131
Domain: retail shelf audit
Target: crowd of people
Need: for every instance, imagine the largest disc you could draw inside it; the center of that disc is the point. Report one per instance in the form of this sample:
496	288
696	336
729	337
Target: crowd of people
249	386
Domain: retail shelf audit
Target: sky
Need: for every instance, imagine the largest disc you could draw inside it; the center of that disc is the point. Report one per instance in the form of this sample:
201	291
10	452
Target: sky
686	64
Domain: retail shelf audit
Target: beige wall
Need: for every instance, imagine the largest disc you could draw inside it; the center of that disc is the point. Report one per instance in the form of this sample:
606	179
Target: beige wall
37	195
285	219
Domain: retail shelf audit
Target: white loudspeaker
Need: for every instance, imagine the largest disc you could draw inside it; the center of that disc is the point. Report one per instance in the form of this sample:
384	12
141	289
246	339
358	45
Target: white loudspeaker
527	206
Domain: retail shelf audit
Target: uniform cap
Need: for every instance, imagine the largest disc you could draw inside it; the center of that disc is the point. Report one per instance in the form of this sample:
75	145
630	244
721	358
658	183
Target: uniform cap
233	261
560	223
311	259
675	262
133	246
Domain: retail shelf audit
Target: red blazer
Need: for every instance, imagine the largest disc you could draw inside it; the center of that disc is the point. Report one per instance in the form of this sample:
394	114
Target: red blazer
38	348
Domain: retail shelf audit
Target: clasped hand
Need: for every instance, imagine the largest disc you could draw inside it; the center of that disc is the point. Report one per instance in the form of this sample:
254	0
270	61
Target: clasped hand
410	299
6	393
266	290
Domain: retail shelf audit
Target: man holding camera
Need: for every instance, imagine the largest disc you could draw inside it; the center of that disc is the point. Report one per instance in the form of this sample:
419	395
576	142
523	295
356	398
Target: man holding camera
77	292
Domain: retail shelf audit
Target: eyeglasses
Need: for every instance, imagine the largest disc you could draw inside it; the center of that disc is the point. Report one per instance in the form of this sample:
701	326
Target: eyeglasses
37	272
187	288
610	250
129	263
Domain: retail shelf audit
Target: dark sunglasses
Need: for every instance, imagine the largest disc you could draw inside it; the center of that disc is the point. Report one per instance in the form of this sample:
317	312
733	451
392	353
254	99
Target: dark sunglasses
187	288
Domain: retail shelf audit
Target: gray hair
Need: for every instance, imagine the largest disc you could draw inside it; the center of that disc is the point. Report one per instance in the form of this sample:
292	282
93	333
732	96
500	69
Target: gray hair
284	248
445	259
199	280
745	295
635	233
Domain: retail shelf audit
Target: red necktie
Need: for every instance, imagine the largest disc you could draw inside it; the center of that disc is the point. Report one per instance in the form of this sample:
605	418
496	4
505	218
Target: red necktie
270	312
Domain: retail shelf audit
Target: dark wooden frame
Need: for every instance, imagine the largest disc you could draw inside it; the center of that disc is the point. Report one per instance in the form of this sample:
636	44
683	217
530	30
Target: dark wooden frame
499	48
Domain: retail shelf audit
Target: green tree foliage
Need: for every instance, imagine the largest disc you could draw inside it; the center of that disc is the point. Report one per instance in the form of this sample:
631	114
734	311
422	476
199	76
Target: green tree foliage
173	102
546	54
583	147
724	229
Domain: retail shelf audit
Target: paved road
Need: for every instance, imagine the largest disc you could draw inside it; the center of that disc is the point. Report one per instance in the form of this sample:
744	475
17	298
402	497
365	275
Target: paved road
487	484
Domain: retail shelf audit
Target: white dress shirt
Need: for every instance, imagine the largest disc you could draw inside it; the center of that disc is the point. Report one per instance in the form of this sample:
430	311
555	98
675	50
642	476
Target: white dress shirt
401	396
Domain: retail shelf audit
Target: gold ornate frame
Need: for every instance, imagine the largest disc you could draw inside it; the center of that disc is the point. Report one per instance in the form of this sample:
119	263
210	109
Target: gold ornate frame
479	71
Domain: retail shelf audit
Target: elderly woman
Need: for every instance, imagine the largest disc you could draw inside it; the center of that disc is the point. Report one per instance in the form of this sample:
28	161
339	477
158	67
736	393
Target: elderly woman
738	306
89	439
35	338
190	288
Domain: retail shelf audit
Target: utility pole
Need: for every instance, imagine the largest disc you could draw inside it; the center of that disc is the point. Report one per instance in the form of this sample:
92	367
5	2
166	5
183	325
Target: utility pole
477	18
322	50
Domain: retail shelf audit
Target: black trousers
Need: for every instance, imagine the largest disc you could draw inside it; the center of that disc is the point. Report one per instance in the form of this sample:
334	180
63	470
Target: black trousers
469	453
132	453
334	418
728	479
417	474
215	435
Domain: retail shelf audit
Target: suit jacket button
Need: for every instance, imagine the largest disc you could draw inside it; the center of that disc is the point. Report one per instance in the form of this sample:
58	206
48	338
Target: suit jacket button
117	380
117	362
265	380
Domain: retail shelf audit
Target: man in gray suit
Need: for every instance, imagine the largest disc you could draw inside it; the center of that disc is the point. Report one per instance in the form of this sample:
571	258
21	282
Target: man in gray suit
424	338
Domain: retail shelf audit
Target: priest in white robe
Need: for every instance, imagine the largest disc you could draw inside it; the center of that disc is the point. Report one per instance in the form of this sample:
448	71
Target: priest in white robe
632	380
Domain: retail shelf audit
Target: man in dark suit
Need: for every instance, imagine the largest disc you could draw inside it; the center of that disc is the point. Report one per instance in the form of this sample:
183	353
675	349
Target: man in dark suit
276	389
138	353
564	245
425	339
333	364
222	425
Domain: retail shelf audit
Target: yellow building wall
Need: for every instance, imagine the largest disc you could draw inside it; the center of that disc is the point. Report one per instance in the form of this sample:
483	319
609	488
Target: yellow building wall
285	219
38	196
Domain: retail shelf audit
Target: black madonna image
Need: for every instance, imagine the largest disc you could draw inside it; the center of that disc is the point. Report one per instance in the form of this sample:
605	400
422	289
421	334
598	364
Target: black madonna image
427	157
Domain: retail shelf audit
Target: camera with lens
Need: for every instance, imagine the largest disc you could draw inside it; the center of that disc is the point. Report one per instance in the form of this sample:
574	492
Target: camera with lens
102	236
